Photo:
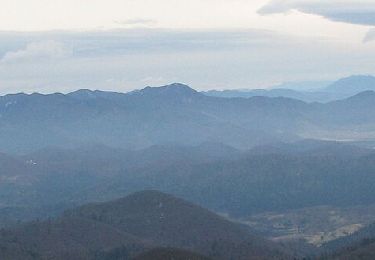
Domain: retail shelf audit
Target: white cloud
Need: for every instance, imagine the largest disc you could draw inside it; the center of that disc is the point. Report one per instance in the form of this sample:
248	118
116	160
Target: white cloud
94	15
138	22
34	51
370	36
122	60
349	11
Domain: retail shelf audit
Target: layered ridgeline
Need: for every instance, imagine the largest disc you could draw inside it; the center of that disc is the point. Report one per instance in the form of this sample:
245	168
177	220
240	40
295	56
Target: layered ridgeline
276	177
270	178
359	245
225	154
307	91
131	226
175	114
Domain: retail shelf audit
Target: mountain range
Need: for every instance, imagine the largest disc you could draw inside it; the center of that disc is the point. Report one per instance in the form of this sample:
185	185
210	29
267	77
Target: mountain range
327	92
239	157
175	114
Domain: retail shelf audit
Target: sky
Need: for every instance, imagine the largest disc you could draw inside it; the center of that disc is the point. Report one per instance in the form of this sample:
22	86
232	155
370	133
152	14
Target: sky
60	46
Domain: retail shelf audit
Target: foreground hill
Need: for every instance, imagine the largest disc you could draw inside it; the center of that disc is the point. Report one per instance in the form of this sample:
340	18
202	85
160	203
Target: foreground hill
168	221
128	226
64	238
359	245
364	251
170	254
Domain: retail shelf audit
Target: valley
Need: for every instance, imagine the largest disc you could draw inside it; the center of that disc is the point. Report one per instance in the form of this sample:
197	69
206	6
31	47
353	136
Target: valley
282	196
317	225
187	130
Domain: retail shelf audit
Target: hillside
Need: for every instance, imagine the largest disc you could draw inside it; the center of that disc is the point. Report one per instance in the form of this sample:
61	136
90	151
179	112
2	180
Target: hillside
64	238
215	176
170	222
361	238
360	245
253	183
364	251
128	226
170	254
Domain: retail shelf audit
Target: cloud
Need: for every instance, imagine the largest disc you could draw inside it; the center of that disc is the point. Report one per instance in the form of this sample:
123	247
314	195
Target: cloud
360	12
370	36
122	60
119	42
137	22
35	51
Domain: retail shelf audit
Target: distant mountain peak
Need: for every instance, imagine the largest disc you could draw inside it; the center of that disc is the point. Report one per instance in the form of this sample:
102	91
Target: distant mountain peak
353	84
368	94
177	85
172	89
365	93
83	94
356	77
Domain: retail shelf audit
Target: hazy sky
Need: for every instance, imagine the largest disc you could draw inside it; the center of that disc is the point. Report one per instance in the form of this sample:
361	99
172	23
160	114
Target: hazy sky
51	45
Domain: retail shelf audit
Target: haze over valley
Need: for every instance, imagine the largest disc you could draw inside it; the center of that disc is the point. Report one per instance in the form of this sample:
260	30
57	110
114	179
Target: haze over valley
187	130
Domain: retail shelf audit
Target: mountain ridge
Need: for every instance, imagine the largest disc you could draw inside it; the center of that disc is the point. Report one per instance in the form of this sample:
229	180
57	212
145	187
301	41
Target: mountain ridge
135	224
170	114
340	89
